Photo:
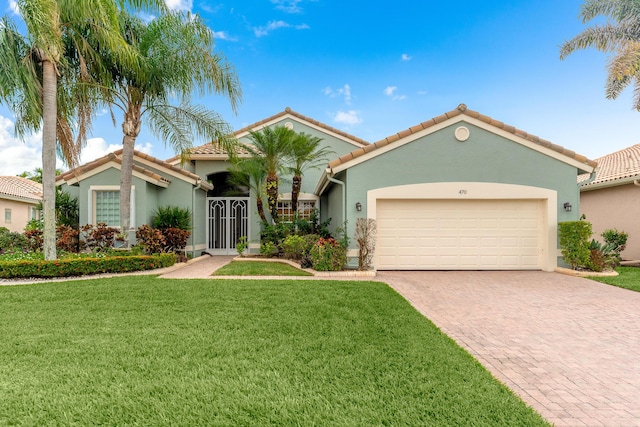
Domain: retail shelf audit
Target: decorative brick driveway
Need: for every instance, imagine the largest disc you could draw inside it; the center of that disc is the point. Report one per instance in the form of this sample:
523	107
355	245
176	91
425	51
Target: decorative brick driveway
569	347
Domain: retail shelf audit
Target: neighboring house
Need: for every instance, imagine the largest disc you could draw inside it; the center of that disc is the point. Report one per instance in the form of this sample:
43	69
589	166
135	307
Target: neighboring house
610	198
19	199
460	191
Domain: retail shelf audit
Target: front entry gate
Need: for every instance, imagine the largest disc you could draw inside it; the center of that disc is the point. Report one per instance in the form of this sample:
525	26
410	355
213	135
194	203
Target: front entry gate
227	221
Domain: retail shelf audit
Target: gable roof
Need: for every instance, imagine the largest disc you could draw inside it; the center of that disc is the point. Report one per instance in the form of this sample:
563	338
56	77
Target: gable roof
214	151
21	189
75	175
456	115
618	168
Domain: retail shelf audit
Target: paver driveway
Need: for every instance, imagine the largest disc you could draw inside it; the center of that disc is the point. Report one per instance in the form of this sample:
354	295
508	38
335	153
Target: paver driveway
569	347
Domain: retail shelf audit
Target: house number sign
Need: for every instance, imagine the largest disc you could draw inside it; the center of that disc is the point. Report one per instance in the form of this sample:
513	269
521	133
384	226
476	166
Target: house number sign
462	192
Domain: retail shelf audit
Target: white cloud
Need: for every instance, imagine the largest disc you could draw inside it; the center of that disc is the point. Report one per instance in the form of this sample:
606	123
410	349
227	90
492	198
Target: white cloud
223	35
405	57
17	155
179	4
274	25
391	92
343	91
348	118
14	7
98	147
289	6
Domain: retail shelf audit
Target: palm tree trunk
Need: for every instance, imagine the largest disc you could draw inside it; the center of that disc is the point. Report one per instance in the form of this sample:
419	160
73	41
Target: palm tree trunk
295	192
131	130
260	207
49	113
272	196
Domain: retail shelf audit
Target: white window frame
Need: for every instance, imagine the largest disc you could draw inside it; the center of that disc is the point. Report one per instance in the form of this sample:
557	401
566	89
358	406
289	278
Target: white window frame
33	213
303	197
7	216
91	208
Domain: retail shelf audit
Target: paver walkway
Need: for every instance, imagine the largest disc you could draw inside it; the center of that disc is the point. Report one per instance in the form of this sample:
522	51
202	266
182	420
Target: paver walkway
569	347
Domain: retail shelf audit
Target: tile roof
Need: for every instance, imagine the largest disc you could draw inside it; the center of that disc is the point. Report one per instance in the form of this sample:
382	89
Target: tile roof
623	166
15	186
116	156
215	149
461	110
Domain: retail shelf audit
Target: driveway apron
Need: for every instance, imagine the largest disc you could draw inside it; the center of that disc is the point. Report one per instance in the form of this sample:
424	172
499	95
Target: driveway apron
569	347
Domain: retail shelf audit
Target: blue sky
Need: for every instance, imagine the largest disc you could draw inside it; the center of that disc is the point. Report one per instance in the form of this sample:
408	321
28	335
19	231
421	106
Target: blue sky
375	69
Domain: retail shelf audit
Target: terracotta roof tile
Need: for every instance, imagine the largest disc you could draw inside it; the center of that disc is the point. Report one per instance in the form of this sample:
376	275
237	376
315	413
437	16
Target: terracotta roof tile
116	156
23	188
620	165
462	109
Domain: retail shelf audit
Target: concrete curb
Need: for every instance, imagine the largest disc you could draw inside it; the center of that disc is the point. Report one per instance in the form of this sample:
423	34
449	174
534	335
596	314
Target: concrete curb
577	273
346	273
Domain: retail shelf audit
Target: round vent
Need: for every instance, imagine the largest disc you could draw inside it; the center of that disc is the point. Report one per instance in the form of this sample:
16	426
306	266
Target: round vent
461	133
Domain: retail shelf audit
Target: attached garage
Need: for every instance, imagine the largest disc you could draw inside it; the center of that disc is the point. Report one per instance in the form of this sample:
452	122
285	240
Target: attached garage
461	191
418	234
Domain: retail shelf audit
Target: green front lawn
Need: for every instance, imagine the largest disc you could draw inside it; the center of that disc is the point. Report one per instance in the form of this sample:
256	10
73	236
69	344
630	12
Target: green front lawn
147	351
628	278
259	268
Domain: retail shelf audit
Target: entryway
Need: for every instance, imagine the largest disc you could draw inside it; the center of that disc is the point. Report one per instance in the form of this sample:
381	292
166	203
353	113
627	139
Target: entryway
227	222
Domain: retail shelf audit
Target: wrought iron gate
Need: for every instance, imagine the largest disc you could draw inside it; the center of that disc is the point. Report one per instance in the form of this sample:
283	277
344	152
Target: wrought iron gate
228	220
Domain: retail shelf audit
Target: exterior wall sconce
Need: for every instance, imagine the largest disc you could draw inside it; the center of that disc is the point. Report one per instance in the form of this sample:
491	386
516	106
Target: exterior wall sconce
359	206
567	206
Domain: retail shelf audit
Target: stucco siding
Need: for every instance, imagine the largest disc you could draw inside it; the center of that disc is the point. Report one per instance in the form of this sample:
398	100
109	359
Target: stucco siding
20	214
598	206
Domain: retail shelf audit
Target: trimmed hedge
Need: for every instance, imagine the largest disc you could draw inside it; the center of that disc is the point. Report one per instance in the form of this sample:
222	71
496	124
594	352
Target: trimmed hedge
84	266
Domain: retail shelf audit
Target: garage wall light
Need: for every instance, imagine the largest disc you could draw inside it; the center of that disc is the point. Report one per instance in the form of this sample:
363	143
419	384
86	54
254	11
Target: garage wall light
567	206
359	206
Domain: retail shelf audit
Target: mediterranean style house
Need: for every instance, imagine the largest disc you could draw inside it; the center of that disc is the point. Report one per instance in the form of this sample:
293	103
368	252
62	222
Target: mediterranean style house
19	199
458	191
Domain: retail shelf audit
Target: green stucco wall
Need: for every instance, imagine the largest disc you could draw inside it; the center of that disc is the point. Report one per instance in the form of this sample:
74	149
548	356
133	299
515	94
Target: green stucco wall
484	157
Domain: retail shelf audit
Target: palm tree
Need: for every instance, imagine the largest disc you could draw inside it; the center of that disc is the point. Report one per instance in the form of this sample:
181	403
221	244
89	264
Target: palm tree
250	173
34	64
620	35
306	153
272	145
175	51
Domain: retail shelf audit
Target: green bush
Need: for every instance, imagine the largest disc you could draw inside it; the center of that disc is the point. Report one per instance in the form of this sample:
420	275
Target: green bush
242	245
11	241
171	217
618	239
99	237
83	266
268	249
574	242
294	247
328	255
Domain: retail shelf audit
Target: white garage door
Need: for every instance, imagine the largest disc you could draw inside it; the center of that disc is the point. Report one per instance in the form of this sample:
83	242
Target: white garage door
459	234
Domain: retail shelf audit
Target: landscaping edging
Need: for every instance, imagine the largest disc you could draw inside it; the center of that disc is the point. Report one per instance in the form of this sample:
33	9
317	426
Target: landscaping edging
577	273
345	273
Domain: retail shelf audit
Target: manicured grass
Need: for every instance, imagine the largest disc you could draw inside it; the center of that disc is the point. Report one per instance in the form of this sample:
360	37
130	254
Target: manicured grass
259	268
628	278
139	350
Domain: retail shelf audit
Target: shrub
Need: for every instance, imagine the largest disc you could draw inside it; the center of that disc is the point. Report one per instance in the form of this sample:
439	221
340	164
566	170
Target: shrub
67	238
242	245
602	256
294	247
171	217
151	239
83	266
365	235
328	255
34	236
268	249
175	238
574	242
99	237
11	241
617	240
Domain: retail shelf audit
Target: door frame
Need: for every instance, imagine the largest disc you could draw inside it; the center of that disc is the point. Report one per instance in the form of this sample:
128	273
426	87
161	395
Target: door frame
230	236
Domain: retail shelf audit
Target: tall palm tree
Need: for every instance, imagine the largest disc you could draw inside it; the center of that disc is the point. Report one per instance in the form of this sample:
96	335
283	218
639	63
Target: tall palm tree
175	52
250	173
306	153
272	145
620	35
34	65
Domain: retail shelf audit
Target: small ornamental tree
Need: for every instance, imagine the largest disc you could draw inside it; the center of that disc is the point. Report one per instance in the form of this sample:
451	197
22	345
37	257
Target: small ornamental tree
365	236
574	242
